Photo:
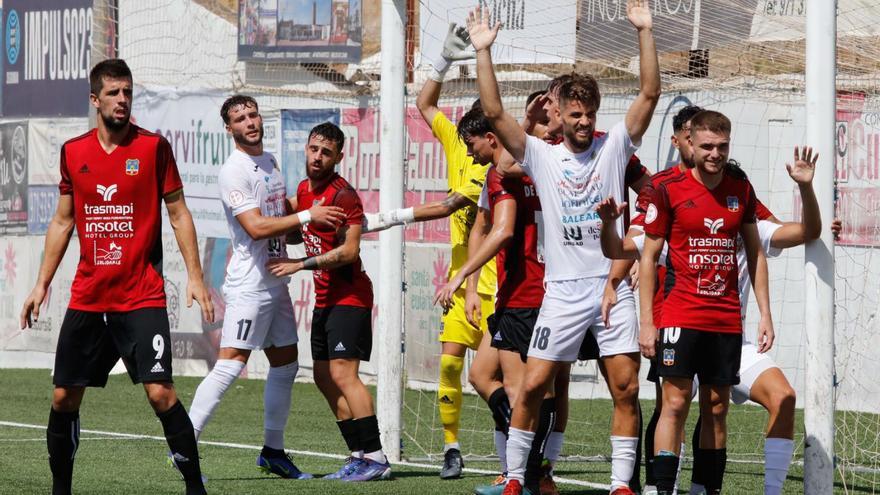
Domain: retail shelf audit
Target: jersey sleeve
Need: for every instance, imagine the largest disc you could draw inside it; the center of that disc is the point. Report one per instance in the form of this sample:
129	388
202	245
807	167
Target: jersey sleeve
532	164
495	188
634	171
766	229
472	185
166	168
619	149
65	186
749	214
351	205
236	191
484	198
446	132
658	216
644	198
761	211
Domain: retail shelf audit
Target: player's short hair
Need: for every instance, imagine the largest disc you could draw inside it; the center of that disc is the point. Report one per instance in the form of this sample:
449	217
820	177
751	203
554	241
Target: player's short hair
710	120
533	96
557	82
113	68
477	104
582	88
234	101
684	115
330	132
474	123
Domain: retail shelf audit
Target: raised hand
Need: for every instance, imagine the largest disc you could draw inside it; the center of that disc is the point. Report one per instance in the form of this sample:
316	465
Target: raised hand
804	167
609	211
639	14
536	111
456	44
482	35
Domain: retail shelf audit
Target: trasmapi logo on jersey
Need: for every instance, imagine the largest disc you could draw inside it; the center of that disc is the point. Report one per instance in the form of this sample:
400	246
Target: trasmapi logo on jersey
132	166
109	255
108	220
107	192
713	225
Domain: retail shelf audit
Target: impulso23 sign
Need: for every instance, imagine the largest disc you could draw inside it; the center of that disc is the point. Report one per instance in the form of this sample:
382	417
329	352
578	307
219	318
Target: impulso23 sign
47	45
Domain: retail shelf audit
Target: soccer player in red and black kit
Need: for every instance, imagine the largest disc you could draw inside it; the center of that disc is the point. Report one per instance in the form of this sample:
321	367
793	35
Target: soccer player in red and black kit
342	333
699	213
113	181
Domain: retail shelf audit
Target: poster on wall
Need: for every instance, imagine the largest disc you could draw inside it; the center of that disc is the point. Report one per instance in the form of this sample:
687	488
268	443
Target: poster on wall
300	30
295	127
46	58
42	202
45	139
13	178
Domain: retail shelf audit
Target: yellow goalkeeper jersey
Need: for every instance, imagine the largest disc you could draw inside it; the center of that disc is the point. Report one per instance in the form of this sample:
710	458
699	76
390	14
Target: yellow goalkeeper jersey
466	178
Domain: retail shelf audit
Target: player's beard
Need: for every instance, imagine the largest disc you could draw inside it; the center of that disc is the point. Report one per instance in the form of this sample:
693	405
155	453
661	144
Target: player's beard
114	124
320	174
243	140
576	141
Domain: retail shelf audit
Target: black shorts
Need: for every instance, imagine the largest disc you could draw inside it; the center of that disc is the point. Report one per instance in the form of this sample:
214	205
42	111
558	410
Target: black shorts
342	332
511	329
712	356
90	344
589	347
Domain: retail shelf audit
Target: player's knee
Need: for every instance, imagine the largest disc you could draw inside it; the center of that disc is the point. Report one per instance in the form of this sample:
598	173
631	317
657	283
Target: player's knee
67	399
674	405
783	400
476	379
451	365
625	393
342	377
718	410
161	398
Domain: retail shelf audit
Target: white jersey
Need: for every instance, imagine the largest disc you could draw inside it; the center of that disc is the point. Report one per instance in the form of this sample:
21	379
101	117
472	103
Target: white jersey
570	185
248	182
766	228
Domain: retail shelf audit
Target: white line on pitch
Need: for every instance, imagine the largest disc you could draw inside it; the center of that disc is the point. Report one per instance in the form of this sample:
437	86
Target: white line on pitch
567	481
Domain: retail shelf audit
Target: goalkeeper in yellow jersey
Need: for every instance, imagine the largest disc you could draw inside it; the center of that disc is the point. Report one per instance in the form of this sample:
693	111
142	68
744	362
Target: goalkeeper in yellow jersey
466	178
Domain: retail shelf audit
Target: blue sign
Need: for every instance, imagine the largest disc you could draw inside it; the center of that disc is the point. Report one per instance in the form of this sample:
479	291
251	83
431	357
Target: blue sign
42	202
295	127
48	58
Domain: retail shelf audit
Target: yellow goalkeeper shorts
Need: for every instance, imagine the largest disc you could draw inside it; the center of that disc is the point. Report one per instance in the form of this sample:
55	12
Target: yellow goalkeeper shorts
456	328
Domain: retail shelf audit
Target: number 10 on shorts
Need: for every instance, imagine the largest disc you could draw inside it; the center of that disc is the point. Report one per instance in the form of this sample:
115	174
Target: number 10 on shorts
542	338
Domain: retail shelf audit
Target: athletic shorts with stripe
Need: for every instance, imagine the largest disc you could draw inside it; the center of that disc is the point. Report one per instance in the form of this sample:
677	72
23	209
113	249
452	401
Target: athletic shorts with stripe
258	319
342	332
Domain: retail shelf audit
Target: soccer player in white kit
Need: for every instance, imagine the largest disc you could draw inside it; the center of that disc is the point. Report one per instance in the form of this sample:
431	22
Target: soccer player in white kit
761	379
259	312
570	180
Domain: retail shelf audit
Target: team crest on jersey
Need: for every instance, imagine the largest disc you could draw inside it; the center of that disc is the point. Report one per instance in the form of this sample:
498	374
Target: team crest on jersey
132	166
668	357
733	204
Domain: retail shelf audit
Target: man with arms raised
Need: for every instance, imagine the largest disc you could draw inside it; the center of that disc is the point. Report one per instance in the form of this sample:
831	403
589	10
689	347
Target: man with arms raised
570	180
114	180
342	334
259	312
700	214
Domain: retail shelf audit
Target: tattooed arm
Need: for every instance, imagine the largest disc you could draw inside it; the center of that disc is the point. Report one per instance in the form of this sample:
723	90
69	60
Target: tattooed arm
346	253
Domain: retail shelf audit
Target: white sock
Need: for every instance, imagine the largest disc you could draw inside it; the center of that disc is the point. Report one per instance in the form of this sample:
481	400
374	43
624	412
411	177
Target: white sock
623	460
777	459
453	445
681	453
501	448
519	443
377	456
554	446
276	403
358	455
211	390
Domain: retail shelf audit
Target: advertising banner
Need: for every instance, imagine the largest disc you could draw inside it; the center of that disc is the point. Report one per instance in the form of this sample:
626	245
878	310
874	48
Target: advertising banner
300	30
45	139
47	57
42	202
13	177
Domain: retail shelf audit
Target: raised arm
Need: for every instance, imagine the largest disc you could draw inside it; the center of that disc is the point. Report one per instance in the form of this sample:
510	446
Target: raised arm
57	239
647	285
185	232
508	130
757	262
455	47
638	117
792	234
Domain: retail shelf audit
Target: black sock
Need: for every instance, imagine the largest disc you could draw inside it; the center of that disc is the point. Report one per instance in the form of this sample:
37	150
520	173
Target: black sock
182	441
650	430
62	440
635	482
270	452
546	423
500	407
665	469
368	433
350	434
717	465
702	470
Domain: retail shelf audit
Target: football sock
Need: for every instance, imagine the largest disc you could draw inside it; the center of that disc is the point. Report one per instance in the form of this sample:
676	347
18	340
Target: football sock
182	442
623	460
62	440
449	396
718	459
554	446
501	449
665	467
276	403
635	480
650	430
211	390
546	422
519	443
499	404
368	434
777	459
350	434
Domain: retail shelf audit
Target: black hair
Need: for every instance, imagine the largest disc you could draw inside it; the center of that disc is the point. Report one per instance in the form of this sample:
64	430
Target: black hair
474	123
330	132
534	96
234	101
684	115
113	68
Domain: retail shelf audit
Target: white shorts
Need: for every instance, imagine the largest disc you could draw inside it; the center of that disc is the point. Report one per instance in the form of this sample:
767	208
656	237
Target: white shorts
751	365
573	307
259	319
